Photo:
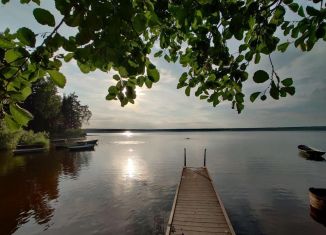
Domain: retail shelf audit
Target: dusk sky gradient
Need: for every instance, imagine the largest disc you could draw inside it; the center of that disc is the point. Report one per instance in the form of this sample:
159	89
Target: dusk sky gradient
164	106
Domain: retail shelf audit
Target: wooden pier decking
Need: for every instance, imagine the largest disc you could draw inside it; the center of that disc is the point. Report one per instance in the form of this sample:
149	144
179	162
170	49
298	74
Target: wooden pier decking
197	208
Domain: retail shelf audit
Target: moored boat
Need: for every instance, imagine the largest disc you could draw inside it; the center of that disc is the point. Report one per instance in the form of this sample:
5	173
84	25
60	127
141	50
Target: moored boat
87	142
317	197
311	152
81	147
59	143
30	148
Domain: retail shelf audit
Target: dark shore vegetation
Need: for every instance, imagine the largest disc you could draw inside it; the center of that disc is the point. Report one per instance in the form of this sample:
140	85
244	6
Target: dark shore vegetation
53	116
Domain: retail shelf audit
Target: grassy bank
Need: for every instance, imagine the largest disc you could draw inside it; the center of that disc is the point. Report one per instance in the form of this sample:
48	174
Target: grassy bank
29	137
10	139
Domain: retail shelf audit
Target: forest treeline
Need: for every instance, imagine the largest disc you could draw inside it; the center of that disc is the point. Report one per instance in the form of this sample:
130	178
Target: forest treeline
53	115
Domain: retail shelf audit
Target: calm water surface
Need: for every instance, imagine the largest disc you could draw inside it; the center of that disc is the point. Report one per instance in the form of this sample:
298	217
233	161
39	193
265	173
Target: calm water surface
127	185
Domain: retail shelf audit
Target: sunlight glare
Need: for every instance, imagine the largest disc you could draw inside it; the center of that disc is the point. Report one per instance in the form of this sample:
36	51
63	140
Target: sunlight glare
127	133
130	168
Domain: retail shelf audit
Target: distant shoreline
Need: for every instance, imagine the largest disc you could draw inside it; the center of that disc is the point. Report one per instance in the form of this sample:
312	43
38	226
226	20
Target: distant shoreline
305	128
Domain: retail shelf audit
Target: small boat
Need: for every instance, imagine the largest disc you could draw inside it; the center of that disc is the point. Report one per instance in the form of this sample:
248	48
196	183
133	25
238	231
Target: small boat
54	141
83	146
87	142
311	152
29	148
317	197
59	143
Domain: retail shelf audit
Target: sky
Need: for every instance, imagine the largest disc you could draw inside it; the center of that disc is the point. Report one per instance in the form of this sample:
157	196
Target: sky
163	106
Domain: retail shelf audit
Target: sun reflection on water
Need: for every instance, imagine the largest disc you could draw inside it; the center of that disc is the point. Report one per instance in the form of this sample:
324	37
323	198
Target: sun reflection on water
130	168
127	133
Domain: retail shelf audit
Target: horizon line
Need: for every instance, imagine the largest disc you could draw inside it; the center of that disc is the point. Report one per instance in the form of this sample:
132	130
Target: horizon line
288	128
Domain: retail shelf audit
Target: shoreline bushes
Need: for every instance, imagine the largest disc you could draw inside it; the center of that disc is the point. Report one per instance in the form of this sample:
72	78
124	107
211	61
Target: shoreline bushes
29	137
9	139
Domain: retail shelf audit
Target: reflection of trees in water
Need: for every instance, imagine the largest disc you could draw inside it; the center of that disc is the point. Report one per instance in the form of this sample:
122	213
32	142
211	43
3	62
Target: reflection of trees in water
72	162
28	186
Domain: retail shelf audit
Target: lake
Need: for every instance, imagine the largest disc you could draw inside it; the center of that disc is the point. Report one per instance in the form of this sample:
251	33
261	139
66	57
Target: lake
127	185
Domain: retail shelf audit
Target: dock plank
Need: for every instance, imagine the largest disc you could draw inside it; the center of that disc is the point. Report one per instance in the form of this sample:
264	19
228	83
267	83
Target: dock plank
197	208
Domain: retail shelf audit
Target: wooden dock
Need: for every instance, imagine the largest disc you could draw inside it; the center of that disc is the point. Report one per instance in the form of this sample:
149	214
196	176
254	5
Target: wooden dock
197	208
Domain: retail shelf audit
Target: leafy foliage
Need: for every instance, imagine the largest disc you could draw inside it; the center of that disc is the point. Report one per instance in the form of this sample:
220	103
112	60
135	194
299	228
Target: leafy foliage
73	113
45	105
30	138
120	35
8	138
52	113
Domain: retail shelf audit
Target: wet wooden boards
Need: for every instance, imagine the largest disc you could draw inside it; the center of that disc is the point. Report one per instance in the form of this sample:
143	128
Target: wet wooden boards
197	208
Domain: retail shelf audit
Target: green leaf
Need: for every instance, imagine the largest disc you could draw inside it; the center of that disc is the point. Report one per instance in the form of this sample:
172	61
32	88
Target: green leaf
26	92
158	54
20	115
58	78
274	92
282	47
287	82
140	81
187	91
183	77
254	96
243	47
85	68
290	90
153	73
257	58
239	97
321	31
203	97
113	90
44	17
312	11
260	76
116	77
279	13
301	12
211	77
26	36
140	23
68	57
295	32
123	72
133	64
240	107
4	43
294	6
10	123
239	58
235	24
148	83
12	55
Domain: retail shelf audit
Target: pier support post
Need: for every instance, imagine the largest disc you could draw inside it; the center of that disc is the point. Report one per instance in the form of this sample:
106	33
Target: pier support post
205	158
185	158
